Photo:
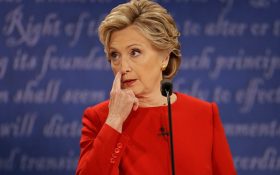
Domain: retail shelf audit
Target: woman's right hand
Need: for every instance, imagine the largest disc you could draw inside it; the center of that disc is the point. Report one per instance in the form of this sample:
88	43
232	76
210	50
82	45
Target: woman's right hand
121	103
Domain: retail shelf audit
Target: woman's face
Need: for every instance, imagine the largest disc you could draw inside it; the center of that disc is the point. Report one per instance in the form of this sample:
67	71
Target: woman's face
138	61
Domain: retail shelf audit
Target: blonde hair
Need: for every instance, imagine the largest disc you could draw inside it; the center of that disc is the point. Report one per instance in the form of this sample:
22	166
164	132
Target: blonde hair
156	24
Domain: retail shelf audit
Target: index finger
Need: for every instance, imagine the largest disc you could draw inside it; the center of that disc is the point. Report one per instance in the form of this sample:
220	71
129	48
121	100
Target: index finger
117	82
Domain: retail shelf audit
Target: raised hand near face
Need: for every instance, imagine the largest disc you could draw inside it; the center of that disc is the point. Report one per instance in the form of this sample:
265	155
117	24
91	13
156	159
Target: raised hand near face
121	103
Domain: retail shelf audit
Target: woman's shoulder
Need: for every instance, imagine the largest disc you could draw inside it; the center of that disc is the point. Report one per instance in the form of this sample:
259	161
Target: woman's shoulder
99	107
196	107
193	104
191	100
99	110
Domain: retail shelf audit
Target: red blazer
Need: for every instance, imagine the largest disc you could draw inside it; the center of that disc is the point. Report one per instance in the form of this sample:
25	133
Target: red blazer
200	145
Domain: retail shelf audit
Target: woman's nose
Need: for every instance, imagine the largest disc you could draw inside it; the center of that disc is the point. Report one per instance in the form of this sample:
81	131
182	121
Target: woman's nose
125	66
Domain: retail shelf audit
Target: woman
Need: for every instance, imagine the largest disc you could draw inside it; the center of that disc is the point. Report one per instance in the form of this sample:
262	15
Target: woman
126	134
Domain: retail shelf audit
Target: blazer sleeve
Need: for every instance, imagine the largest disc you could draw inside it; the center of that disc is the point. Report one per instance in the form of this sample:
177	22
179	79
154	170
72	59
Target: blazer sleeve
221	155
101	147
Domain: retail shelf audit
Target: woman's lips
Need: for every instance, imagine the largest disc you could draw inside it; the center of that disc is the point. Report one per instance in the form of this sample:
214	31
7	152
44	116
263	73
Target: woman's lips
128	83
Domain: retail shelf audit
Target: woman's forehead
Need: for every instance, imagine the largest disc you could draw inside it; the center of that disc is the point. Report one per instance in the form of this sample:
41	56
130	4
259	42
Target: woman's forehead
128	36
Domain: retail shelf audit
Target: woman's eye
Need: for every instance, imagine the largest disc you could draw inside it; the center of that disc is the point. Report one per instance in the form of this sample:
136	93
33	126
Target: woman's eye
113	56
135	52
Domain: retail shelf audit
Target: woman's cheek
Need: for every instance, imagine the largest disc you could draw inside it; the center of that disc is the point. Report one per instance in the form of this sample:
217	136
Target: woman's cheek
114	68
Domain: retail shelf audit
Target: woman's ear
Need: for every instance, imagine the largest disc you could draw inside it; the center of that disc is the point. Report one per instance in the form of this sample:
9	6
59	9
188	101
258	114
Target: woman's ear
165	59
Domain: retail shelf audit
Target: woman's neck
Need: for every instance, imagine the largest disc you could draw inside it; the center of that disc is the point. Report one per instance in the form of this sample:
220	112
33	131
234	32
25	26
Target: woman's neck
155	100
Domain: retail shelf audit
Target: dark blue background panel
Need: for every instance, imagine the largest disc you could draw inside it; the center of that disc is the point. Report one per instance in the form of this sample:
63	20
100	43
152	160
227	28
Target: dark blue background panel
52	66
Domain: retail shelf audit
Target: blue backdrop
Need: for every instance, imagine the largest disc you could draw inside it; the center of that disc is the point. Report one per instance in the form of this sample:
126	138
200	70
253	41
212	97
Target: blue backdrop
52	67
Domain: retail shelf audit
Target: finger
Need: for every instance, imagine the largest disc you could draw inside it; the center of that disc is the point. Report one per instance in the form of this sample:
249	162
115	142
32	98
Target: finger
129	92
135	104
117	82
135	99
